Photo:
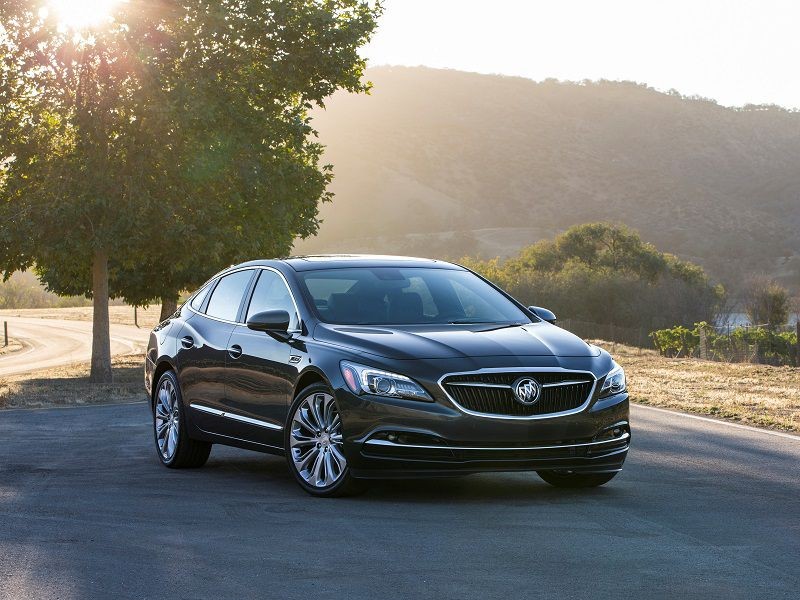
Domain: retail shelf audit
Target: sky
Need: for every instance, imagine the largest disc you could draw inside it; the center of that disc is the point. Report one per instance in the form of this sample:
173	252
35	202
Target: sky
732	51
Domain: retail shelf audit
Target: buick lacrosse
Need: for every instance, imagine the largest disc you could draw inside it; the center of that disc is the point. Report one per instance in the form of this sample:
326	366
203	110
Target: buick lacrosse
370	367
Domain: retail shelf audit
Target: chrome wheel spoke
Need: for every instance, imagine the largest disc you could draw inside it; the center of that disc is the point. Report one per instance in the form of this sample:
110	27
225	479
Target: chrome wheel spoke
338	457
315	441
314	408
166	420
302	417
161	429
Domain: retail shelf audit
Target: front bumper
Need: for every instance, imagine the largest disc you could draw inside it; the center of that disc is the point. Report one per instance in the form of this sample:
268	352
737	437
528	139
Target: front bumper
403	438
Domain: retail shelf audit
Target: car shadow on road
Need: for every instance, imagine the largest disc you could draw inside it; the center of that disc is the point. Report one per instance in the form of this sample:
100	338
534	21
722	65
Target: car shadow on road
272	472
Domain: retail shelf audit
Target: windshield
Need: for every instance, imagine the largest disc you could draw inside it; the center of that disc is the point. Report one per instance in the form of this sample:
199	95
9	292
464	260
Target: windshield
412	296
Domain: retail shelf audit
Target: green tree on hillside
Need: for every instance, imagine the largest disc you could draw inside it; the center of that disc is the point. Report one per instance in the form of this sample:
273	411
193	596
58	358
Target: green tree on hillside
139	157
766	303
607	274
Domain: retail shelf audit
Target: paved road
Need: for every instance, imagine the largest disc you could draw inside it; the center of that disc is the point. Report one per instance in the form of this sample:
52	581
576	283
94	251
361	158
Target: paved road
53	342
703	510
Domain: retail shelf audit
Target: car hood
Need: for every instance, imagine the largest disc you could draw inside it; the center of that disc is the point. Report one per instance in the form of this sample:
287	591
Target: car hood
450	341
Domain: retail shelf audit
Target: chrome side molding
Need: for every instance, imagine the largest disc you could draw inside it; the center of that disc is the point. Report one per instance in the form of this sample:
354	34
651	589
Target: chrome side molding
235	417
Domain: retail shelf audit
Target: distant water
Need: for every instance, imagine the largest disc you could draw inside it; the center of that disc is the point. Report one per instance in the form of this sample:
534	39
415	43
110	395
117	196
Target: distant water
741	319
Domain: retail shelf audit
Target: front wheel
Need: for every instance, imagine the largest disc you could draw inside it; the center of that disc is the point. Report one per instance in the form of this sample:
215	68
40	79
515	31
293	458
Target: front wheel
174	446
565	479
314	444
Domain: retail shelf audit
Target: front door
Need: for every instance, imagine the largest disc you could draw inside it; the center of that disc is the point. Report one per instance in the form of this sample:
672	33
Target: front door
259	374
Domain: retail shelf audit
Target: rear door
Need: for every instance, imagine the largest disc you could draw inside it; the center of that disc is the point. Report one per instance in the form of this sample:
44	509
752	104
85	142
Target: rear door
260	372
203	349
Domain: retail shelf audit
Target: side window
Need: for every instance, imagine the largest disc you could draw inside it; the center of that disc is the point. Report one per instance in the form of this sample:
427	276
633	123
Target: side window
271	293
200	297
227	296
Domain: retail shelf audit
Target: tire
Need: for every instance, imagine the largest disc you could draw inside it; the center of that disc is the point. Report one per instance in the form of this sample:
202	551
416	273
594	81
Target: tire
575	480
313	443
180	451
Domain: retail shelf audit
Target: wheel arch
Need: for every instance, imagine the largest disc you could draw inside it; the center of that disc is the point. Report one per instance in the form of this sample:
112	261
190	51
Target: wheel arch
162	366
310	376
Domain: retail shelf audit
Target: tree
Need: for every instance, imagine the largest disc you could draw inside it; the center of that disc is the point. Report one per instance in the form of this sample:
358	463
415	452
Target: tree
766	303
606	274
141	156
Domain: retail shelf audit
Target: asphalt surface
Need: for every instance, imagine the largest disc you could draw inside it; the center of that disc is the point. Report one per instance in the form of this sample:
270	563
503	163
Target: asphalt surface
702	510
52	342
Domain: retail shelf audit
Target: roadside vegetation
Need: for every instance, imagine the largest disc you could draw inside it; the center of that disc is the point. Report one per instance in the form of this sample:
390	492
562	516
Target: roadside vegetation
70	385
607	275
762	345
759	395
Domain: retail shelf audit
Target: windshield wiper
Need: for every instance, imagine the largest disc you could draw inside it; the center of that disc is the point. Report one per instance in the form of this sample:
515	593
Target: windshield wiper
470	322
499	324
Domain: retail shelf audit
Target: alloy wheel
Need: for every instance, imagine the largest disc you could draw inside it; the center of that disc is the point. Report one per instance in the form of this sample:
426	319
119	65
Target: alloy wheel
315	441
167	420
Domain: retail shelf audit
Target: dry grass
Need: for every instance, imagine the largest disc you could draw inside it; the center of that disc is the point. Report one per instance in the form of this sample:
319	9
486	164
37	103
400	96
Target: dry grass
69	385
120	314
13	346
754	394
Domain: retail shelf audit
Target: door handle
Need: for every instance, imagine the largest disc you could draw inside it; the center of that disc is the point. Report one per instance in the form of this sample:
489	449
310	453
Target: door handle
187	341
235	351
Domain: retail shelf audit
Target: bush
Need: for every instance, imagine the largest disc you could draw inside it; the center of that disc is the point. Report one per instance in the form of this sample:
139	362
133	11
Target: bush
743	344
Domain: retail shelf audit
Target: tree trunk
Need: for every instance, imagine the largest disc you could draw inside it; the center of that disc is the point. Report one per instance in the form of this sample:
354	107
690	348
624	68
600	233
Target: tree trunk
101	338
168	306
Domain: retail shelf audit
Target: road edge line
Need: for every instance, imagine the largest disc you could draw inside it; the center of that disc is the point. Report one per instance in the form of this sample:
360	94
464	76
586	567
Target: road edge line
783	434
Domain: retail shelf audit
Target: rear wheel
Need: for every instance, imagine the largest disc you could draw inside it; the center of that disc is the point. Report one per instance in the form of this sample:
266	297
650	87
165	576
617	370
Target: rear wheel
174	447
314	444
565	479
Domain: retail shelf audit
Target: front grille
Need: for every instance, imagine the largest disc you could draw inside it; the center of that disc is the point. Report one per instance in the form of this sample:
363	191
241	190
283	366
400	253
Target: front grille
492	394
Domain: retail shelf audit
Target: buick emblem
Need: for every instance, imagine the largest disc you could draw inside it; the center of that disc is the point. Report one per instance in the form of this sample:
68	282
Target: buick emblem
527	391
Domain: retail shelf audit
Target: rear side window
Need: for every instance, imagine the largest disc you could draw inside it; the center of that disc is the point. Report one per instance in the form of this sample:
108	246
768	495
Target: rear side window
227	296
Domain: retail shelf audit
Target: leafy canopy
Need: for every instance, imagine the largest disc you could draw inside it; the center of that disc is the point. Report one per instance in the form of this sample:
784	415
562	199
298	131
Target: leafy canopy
174	139
606	274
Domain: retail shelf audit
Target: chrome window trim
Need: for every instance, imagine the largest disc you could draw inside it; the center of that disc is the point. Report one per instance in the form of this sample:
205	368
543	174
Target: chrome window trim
624	437
228	415
521	370
299	327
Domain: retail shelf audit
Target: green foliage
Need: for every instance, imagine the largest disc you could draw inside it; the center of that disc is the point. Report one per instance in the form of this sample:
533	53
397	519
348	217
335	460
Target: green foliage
606	274
676	341
766	303
750	344
175	140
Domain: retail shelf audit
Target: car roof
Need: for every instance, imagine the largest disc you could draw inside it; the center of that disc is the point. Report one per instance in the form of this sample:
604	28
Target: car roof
344	261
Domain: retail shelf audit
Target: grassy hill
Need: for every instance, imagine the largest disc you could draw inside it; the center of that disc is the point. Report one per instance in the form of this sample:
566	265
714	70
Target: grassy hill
446	163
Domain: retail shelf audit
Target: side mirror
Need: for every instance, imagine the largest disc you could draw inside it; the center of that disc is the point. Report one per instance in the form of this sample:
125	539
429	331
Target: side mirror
269	321
543	314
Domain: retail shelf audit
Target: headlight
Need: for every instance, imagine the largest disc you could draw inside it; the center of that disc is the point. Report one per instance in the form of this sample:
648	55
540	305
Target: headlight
614	382
366	380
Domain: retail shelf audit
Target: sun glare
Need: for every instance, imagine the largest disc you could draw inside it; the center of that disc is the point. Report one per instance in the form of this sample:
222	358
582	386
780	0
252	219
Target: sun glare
81	14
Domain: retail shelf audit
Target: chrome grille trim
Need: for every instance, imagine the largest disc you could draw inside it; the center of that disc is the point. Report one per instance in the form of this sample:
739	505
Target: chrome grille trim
521	371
